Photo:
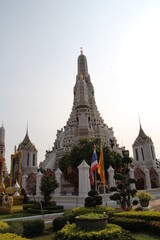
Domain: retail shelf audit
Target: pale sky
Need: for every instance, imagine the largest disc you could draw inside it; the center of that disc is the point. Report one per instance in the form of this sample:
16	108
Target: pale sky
40	42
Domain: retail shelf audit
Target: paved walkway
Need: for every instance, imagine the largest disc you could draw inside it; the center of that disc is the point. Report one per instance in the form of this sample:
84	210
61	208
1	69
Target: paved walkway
155	204
48	218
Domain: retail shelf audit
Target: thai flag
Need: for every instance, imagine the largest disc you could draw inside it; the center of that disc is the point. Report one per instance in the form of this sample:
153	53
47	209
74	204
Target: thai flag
94	165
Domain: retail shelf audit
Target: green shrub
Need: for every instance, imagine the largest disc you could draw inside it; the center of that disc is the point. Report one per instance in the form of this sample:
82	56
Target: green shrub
27	206
136	221
33	207
92	216
3	226
45	211
15	227
92	193
128	223
33	228
11	236
154	227
55	208
100	209
145	215
93	199
72	232
60	222
144	196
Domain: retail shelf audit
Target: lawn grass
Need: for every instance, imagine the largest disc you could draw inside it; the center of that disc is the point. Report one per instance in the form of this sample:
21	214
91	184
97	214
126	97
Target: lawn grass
48	233
45	237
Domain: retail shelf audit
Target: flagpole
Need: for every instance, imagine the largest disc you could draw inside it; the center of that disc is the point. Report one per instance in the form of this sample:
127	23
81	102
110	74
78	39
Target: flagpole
96	179
105	201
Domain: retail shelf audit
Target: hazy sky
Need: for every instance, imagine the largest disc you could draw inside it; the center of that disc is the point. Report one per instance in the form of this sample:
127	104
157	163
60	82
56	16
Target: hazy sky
40	42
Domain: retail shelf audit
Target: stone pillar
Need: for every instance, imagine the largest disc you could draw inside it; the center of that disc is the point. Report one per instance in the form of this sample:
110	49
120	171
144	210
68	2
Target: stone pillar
38	182
84	182
158	172
131	174
148	180
111	177
58	175
24	177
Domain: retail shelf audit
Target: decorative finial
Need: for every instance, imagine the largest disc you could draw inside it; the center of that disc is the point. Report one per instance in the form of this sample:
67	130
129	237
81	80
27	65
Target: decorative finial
139	121
81	50
27	128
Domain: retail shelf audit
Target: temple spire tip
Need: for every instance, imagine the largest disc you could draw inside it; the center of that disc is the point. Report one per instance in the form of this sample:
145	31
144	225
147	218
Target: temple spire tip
139	121
27	128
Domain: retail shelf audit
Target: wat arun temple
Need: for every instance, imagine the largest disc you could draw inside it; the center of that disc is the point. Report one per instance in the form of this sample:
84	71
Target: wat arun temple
84	121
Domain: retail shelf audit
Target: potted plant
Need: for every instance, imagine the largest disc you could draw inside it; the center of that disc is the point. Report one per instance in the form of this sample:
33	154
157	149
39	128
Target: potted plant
144	198
92	221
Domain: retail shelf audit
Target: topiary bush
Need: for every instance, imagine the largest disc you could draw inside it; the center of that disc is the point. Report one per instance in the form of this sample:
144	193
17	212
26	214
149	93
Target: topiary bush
72	232
33	228
123	194
93	199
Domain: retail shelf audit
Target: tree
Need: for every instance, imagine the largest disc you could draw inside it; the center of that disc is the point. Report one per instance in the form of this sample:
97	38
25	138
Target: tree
124	194
47	187
84	151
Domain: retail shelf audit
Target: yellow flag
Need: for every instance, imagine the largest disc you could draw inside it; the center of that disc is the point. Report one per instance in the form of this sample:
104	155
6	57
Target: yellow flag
101	167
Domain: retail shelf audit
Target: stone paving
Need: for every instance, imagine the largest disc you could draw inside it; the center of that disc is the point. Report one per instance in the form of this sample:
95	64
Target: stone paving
155	204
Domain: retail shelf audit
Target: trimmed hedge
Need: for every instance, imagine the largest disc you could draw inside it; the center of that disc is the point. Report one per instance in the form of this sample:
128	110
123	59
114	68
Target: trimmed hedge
27	206
145	215
15	227
128	223
33	228
36	208
60	222
112	232
154	227
135	224
38	211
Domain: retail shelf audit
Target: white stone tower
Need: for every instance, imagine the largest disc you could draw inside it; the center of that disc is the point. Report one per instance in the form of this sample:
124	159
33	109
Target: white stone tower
2	148
144	151
29	156
84	121
146	169
2	142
